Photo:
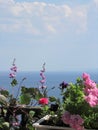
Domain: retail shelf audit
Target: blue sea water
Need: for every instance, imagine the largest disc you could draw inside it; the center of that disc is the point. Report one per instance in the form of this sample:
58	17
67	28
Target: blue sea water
53	79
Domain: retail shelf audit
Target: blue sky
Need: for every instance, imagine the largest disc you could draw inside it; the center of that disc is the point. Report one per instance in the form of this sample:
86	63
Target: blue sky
61	33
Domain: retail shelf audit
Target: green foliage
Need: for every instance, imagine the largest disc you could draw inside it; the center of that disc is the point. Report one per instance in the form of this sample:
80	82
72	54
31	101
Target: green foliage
73	101
4	92
30	95
52	99
33	92
3	100
14	82
73	97
11	105
25	99
3	125
30	118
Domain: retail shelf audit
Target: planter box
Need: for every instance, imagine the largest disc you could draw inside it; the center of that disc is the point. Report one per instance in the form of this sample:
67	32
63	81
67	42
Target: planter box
37	125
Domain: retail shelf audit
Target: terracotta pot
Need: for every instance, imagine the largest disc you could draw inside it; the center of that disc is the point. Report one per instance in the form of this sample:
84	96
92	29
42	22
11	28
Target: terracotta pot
38	125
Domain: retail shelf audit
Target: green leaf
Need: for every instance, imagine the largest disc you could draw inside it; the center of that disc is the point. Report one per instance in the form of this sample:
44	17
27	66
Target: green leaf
25	99
33	92
14	82
4	92
52	99
3	100
6	125
31	113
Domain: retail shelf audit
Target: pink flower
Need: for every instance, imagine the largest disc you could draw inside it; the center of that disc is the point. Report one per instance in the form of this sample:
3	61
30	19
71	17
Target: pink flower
66	117
94	91
15	124
91	92
42	81
12	75
76	122
43	101
92	100
14	68
85	76
42	75
86	90
89	83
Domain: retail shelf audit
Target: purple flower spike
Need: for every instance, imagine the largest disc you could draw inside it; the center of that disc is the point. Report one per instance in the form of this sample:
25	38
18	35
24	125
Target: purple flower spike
42	81
43	78
13	70
12	75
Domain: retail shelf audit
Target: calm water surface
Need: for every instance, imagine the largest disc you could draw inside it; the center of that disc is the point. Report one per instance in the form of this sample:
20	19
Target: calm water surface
52	79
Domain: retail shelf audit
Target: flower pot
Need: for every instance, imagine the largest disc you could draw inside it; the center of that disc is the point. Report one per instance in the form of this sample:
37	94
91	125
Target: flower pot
38	125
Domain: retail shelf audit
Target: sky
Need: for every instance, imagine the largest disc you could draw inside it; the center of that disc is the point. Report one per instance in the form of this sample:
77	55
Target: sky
61	33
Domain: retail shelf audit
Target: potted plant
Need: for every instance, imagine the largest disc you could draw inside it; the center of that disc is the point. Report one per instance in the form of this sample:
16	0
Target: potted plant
76	108
27	103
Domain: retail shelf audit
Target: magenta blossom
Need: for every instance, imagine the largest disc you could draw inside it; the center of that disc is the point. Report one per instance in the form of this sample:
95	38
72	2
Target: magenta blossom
92	100
42	81
89	83
76	122
66	117
85	76
91	91
12	75
43	101
43	78
13	70
42	75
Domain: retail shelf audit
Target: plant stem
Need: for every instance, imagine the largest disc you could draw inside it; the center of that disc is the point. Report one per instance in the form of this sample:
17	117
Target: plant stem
19	87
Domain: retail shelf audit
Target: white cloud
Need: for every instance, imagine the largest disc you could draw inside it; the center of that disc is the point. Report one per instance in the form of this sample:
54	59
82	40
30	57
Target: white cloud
6	2
79	18
17	9
50	28
67	10
40	18
96	2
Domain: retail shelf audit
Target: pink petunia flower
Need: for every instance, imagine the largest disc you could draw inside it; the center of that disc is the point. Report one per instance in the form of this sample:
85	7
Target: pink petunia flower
89	83
92	100
76	122
66	117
